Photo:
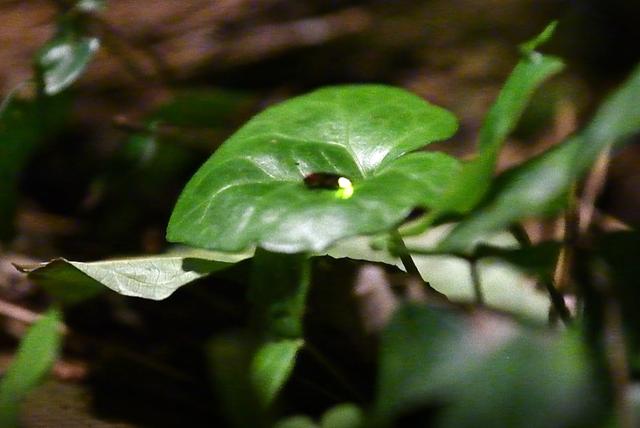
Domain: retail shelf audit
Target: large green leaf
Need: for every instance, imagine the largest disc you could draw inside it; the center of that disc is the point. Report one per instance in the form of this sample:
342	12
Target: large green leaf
475	178
37	353
151	277
252	190
279	285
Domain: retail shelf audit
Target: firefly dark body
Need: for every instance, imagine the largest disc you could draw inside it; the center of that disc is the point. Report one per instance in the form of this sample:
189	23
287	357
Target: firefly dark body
322	180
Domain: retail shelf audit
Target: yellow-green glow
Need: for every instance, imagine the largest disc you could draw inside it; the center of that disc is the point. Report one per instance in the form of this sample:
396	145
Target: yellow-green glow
345	188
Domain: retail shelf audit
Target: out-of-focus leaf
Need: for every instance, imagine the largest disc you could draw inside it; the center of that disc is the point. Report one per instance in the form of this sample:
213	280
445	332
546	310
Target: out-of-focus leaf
204	108
279	286
151	277
22	125
432	358
36	354
272	365
539	186
417	357
297	422
253	189
343	416
91	5
229	359
536	188
63	60
505	285
617	119
475	178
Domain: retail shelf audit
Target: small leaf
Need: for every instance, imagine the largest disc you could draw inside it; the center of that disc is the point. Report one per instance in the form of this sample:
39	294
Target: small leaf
343	416
63	60
34	358
89	6
475	178
537	187
297	422
229	358
151	277
252	191
271	367
279	286
529	47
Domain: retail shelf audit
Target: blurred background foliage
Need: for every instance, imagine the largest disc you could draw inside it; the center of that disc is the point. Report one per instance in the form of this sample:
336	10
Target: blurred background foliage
109	107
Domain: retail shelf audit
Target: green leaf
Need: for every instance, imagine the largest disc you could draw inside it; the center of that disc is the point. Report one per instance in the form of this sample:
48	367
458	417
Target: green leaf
297	422
483	377
63	60
343	416
34	358
151	277
531	382
229	358
271	367
529	47
536	188
252	190
475	178
617	119
279	286
417	358
539	186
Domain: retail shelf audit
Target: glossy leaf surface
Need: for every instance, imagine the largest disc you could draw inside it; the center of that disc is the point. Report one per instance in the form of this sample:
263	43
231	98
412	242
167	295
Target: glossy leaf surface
252	191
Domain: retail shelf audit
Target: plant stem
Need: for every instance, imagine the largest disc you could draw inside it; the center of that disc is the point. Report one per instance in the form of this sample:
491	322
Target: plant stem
558	303
410	265
475	279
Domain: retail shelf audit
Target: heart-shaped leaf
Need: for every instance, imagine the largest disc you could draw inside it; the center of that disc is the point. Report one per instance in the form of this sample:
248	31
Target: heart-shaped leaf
253	189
